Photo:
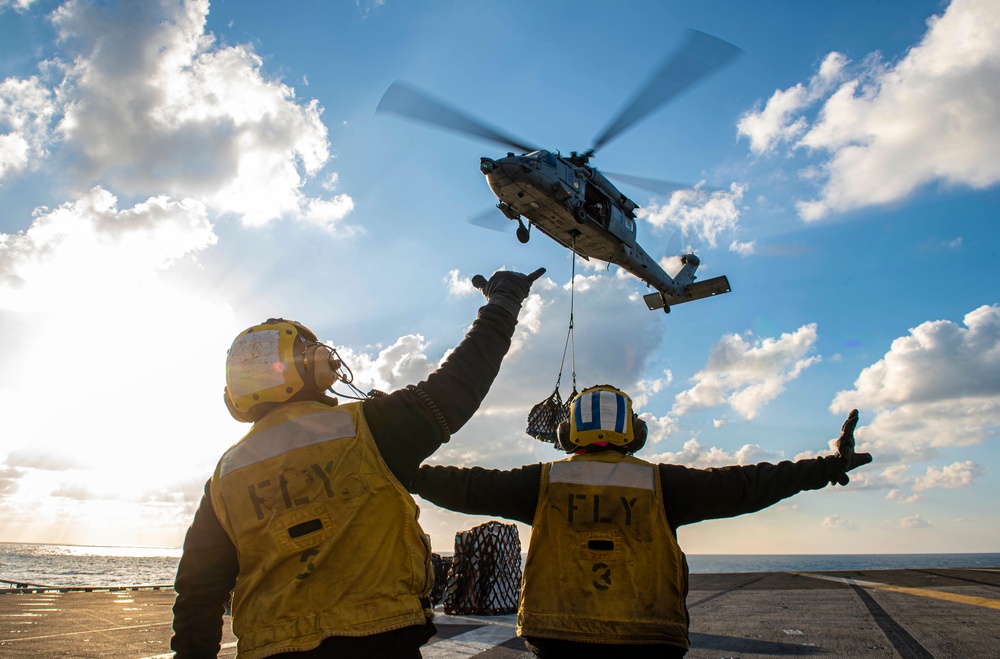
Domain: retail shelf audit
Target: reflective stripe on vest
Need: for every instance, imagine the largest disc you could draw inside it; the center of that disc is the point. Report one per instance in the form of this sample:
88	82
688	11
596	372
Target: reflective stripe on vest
601	473
296	433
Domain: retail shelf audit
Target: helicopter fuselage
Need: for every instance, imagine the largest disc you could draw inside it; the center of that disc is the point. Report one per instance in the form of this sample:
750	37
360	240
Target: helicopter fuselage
578	207
566	198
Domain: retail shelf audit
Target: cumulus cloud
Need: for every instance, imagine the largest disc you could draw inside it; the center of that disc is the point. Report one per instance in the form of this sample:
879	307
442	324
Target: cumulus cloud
26	110
39	457
699	214
9	480
747	375
901	497
646	388
149	104
898	478
459	286
914	522
780	120
959	474
75	491
834	523
402	363
937	387
889	128
939	360
95	312
622	354
19	5
97	242
693	454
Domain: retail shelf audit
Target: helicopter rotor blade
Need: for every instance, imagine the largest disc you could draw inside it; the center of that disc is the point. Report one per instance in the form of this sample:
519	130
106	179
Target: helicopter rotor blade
407	101
651	184
493	220
700	55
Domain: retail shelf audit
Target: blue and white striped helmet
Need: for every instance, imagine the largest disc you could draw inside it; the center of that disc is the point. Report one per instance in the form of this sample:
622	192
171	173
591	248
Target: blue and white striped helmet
601	414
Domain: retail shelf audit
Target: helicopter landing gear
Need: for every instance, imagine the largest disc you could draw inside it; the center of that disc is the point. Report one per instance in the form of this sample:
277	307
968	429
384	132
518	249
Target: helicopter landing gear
580	214
666	309
523	233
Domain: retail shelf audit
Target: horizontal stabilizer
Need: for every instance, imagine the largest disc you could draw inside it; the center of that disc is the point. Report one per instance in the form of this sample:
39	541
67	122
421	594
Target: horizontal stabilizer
696	291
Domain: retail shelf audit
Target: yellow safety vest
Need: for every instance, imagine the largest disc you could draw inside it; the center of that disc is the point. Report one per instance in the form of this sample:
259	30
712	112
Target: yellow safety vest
603	566
328	539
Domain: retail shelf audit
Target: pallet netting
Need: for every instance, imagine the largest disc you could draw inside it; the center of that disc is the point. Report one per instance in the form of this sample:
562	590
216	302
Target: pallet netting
485	575
441	565
545	417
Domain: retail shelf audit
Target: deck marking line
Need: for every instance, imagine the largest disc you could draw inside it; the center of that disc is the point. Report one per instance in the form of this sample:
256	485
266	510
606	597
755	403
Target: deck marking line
901	640
470	643
87	631
921	592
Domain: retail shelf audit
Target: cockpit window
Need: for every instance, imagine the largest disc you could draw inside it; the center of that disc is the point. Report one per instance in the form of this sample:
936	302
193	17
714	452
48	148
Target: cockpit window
543	156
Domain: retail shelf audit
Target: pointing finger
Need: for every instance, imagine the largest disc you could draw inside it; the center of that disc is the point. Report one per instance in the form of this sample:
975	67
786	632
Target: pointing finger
536	274
850	424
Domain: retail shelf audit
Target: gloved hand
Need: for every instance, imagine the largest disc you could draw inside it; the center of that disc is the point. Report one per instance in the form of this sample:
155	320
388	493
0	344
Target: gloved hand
506	288
845	450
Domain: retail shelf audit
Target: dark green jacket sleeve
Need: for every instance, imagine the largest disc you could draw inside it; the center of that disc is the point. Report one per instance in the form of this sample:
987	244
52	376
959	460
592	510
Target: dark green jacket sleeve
206	575
405	428
689	495
509	494
694	495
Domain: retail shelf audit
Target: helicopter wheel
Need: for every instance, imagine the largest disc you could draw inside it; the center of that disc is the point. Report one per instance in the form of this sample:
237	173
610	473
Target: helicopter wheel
522	233
580	214
666	309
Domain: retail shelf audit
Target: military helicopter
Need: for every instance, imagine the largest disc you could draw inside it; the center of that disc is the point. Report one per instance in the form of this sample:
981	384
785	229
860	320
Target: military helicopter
572	202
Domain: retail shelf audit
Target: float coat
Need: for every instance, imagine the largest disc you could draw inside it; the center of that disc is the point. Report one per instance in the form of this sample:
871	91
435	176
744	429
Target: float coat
603	565
303	484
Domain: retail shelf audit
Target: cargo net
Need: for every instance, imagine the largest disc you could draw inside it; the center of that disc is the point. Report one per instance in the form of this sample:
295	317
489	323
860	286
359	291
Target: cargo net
441	565
545	417
485	575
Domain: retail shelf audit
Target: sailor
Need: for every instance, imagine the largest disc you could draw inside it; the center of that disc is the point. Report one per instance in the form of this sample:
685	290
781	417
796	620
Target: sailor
605	576
305	518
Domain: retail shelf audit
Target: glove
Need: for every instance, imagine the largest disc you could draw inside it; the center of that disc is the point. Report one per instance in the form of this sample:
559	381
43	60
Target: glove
845	451
506	289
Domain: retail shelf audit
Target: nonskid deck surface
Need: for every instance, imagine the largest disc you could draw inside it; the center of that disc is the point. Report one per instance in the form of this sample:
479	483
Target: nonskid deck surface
872	613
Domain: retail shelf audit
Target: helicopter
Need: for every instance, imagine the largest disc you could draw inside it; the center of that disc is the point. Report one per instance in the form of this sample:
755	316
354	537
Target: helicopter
572	202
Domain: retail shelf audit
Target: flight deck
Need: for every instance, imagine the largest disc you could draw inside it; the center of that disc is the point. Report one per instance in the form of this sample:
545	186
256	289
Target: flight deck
912	614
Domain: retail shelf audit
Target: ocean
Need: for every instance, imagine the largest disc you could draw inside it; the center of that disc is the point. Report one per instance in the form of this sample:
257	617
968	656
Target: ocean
72	565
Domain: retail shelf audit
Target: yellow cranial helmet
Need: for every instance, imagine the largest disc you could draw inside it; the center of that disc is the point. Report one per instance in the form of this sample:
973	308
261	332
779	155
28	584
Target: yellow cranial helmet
271	363
602	415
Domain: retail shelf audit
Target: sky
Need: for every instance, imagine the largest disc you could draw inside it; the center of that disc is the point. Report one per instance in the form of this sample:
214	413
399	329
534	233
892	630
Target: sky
174	172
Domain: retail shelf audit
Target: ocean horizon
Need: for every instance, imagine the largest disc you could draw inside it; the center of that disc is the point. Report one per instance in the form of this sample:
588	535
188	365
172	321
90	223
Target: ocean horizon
100	566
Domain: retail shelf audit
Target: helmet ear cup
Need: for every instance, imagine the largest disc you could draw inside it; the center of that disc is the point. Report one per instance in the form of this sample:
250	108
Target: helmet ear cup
319	359
641	431
562	437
